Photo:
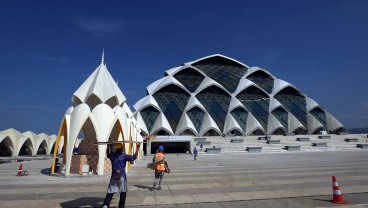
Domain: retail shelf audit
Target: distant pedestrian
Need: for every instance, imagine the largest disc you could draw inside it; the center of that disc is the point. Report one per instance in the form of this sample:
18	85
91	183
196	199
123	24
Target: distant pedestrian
195	153
160	168
201	145
118	180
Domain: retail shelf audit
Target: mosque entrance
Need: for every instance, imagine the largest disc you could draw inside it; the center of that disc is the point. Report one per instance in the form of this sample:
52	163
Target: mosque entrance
171	147
171	144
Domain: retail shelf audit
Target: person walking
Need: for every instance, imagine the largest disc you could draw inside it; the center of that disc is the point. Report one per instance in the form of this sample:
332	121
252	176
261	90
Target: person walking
161	167
201	145
195	153
118	180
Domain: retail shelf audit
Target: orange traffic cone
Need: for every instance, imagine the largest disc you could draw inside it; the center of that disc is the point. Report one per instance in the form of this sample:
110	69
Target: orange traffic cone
337	196
20	171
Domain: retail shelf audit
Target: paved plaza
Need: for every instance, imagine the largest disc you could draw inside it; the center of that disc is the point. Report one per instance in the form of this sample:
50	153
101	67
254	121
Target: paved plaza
287	179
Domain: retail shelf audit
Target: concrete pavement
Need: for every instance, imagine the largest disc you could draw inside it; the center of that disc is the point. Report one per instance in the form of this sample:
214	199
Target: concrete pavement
287	179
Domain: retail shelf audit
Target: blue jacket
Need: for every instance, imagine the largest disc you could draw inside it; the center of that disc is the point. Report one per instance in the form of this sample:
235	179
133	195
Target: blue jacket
120	162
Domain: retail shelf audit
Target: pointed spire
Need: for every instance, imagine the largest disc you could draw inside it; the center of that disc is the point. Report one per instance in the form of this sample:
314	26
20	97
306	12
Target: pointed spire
103	56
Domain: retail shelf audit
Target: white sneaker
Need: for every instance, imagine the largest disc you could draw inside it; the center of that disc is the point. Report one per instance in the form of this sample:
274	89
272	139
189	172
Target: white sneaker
104	206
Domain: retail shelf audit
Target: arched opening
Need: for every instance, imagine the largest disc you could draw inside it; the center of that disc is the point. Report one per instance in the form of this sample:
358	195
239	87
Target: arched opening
187	132
42	149
53	148
300	131
143	134
338	130
257	132
318	130
26	148
162	132
6	148
112	102
235	132
211	132
279	131
93	101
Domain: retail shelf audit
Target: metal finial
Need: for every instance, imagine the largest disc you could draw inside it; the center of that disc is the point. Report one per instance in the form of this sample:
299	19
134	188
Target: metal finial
103	56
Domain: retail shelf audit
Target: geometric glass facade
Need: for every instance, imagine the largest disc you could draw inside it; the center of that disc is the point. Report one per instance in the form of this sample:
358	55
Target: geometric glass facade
172	101
294	102
257	102
150	115
196	116
263	80
319	114
224	71
216	101
190	78
240	116
282	116
219	95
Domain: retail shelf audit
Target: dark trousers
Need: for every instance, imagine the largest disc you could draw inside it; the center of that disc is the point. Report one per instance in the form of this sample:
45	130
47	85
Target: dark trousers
108	199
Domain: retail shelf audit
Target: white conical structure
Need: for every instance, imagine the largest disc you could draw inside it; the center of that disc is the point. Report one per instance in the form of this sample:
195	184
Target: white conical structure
99	87
100	112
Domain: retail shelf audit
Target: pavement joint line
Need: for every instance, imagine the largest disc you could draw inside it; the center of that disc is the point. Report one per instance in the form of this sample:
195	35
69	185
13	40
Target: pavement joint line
51	195
304	196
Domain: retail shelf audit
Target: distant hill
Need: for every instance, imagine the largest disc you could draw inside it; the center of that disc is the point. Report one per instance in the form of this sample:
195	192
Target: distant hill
358	130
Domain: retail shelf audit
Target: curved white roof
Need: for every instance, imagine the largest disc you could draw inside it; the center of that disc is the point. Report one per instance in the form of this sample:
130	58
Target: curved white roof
194	102
185	123
237	80
156	86
146	101
231	124
243	84
214	55
162	123
208	123
311	104
274	104
101	84
207	82
234	103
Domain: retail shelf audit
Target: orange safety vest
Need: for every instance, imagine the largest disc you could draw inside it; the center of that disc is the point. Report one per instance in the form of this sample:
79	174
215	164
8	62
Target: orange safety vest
160	166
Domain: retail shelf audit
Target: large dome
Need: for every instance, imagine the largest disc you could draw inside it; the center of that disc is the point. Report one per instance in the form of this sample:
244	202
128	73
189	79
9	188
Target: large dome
217	95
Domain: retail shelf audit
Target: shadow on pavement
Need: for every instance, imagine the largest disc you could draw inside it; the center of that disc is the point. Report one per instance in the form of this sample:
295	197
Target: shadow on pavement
144	187
46	171
83	202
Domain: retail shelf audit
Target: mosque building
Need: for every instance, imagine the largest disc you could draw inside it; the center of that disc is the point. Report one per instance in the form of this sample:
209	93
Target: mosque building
217	95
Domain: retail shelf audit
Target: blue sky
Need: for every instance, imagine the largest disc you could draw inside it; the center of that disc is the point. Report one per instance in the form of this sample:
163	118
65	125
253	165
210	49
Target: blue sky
49	48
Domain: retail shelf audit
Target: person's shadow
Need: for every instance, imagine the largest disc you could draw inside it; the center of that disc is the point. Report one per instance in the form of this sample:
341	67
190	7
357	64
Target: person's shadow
83	202
144	187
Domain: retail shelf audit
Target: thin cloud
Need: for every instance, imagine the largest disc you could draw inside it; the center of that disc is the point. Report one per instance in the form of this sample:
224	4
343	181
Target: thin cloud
49	58
97	26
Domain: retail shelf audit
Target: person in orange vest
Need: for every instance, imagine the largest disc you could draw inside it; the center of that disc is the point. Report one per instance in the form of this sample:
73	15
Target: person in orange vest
160	168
